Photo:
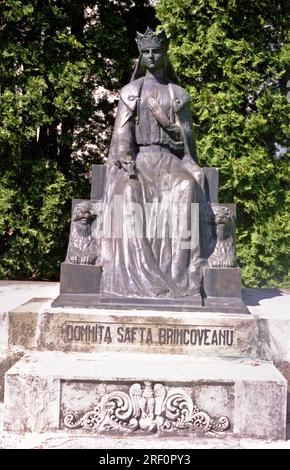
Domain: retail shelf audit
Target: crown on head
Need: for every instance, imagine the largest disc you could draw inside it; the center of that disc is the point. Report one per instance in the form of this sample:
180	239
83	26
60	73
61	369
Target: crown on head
150	39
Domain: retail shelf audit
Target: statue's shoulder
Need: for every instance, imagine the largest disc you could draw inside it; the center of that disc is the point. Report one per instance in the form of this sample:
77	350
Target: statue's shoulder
181	96
135	85
130	92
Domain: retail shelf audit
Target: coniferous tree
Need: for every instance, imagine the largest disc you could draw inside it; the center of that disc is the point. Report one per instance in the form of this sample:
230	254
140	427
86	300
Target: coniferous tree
61	64
233	57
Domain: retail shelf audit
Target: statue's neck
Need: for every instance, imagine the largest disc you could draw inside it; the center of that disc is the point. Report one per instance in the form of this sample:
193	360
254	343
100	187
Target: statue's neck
158	75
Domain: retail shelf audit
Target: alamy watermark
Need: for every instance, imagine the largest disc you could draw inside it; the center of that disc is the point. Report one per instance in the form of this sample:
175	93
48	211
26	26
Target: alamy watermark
124	219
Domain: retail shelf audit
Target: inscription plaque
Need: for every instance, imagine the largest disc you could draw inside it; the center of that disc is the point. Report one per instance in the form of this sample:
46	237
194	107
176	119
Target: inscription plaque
151	332
173	335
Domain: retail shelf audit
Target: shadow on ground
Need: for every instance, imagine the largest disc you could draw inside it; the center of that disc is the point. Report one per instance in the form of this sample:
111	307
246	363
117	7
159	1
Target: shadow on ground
253	297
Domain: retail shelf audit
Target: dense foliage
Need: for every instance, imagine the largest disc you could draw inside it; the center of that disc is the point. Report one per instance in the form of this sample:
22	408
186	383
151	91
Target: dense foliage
54	119
232	56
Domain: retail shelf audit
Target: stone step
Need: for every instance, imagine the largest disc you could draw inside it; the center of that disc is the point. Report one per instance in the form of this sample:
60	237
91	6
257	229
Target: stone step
37	326
6	362
172	395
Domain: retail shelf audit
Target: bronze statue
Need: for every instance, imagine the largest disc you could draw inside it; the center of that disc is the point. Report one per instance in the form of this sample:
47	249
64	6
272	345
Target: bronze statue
153	129
160	238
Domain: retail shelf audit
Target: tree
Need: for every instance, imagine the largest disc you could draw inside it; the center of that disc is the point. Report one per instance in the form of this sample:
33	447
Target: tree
232	56
62	62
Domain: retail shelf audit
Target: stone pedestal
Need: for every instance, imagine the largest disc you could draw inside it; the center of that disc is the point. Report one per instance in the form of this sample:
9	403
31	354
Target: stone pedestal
222	282
80	278
36	325
59	376
168	373
132	393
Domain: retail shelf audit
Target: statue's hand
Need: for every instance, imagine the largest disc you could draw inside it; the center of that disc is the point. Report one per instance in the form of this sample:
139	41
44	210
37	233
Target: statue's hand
158	112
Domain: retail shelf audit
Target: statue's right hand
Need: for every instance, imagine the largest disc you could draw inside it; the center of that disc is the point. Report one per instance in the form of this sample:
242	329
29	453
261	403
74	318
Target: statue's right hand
158	112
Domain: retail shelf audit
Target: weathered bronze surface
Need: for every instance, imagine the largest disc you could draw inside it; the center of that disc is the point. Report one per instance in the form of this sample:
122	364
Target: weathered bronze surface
152	163
83	247
158	238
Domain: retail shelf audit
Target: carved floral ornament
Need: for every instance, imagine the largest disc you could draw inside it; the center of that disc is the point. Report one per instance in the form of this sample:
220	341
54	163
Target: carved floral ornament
148	408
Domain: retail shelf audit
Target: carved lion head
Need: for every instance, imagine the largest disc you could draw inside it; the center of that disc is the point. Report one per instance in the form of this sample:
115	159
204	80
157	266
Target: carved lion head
224	221
222	215
83	213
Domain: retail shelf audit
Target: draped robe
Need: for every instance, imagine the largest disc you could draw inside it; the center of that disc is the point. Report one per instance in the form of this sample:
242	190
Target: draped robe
152	239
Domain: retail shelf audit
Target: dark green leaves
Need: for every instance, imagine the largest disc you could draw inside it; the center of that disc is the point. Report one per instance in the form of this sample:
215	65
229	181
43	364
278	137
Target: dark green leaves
232	56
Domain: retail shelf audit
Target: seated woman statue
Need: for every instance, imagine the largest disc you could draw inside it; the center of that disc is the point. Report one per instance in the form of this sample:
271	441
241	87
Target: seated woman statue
153	175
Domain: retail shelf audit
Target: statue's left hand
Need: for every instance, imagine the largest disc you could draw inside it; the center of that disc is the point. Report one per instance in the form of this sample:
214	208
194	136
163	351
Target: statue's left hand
158	112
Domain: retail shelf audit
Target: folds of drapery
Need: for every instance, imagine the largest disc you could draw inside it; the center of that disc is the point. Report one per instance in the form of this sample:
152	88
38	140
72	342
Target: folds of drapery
156	228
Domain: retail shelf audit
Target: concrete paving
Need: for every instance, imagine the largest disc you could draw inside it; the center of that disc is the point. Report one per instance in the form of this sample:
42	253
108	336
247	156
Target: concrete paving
272	306
14	293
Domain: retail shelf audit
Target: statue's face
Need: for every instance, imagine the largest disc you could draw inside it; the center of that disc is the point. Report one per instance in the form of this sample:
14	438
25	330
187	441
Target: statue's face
153	59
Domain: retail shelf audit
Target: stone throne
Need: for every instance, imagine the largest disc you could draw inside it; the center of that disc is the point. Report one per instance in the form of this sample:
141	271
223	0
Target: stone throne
80	281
